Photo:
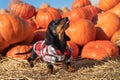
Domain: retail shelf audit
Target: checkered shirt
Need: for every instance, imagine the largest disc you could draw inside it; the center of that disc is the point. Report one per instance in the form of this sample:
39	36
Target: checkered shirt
48	53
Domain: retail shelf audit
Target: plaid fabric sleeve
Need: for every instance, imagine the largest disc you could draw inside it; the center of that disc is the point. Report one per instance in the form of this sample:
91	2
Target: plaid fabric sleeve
68	50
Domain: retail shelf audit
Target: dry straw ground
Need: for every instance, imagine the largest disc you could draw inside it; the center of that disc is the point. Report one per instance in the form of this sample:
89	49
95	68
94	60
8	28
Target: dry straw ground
12	69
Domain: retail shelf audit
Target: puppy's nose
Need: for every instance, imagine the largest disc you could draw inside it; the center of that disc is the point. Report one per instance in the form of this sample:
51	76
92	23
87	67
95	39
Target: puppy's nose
66	19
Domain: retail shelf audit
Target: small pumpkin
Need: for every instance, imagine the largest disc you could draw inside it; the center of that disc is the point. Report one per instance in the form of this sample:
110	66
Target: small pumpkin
2	11
107	24
46	15
21	9
14	30
80	3
75	49
100	50
45	5
116	38
81	32
14	52
107	4
65	9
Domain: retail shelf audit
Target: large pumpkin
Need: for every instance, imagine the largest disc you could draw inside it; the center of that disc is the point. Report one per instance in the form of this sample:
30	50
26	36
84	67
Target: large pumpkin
80	3
100	50
81	32
107	4
107	24
45	16
116	38
14	52
21	9
75	49
87	12
115	10
13	30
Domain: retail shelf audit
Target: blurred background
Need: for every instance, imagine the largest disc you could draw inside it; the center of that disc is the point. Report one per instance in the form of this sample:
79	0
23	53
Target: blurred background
53	3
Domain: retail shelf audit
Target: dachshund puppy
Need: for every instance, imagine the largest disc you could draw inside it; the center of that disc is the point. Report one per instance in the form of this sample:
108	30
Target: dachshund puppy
54	48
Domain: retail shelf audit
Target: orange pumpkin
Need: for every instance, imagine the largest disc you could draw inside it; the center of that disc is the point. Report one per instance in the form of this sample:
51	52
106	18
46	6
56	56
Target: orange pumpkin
100	50
2	11
81	32
13	30
65	9
115	10
80	3
75	49
107	4
116	38
21	9
87	12
12	53
107	25
45	16
44	5
33	24
39	35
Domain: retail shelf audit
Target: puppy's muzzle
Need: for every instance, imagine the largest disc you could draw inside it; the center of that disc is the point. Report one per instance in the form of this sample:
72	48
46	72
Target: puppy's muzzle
66	24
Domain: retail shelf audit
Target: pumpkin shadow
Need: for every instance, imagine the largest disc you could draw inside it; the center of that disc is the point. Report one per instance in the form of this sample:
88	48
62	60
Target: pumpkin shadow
86	63
101	35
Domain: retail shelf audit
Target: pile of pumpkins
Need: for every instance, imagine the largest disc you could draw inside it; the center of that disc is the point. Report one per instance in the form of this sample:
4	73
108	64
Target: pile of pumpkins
94	30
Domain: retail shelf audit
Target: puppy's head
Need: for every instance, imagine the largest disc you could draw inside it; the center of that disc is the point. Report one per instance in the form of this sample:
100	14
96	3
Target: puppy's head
58	27
56	32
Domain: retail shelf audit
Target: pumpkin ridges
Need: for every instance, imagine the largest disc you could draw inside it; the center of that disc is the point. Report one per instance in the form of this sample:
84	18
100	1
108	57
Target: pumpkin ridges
115	9
19	49
87	12
3	42
108	23
100	50
18	30
16	27
2	30
28	38
107	4
45	16
84	29
80	3
21	9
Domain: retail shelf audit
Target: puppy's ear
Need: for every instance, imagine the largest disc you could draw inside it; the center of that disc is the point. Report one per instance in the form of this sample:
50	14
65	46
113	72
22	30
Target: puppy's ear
67	38
49	37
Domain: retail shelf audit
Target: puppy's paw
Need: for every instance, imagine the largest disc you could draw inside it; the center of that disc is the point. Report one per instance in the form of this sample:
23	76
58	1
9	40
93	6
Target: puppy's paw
31	64
68	67
71	69
50	71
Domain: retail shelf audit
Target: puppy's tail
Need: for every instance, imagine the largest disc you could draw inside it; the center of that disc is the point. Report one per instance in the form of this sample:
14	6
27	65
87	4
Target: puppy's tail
30	50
